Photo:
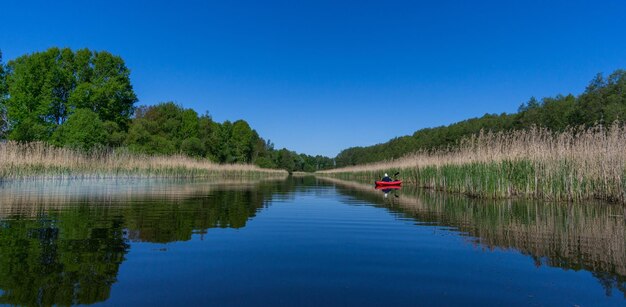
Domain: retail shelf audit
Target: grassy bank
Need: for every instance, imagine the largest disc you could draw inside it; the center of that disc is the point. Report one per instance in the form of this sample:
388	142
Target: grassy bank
38	160
575	165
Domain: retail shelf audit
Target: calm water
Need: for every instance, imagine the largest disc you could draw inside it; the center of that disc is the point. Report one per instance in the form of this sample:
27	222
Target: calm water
303	241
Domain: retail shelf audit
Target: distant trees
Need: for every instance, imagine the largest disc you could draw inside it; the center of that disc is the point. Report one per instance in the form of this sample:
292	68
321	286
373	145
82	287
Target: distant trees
168	128
604	101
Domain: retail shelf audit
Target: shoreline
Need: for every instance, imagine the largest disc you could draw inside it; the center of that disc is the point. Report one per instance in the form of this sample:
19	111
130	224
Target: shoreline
40	161
575	165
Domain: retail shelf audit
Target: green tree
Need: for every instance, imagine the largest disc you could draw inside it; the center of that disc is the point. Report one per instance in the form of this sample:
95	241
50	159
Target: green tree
156	129
115	136
286	160
207	133
265	162
242	141
104	86
44	89
83	130
36	91
223	149
190	124
193	147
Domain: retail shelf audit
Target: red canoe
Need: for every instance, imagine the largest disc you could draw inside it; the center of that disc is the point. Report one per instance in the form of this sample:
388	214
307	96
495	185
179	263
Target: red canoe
389	183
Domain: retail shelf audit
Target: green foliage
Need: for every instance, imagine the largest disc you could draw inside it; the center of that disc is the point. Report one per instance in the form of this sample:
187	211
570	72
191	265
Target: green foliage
45	88
285	160
604	101
104	86
115	136
265	162
242	141
192	147
156	129
168	128
82	130
222	149
36	84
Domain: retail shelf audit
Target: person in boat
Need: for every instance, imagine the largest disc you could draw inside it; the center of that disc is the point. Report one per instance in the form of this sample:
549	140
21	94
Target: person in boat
387	178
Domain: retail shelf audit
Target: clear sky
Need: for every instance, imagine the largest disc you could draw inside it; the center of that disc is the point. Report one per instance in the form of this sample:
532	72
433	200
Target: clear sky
321	76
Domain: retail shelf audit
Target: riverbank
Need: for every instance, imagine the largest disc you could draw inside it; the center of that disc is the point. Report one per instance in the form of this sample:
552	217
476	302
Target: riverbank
574	165
42	161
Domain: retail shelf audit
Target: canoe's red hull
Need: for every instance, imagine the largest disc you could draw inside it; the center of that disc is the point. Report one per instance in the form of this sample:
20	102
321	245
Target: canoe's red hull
389	183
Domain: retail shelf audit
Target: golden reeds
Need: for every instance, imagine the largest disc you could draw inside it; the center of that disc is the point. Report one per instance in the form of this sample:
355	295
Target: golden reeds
39	160
573	165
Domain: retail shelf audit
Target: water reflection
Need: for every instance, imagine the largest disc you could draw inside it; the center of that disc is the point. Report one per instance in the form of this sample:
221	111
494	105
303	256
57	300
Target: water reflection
388	190
588	237
60	258
62	243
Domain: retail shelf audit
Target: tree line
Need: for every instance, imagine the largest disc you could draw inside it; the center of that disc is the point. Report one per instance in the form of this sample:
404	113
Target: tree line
84	99
603	102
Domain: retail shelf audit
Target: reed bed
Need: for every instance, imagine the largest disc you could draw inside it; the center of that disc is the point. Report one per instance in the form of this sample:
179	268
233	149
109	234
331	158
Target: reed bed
40	160
574	165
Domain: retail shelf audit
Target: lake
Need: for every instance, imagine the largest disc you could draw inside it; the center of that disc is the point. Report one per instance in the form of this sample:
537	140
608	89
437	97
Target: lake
301	241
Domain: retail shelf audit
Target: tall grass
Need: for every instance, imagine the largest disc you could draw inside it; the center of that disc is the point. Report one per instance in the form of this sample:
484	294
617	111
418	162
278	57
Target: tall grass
39	160
574	165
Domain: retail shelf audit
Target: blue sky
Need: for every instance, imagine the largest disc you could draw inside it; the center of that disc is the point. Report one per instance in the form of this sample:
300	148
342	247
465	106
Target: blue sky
321	76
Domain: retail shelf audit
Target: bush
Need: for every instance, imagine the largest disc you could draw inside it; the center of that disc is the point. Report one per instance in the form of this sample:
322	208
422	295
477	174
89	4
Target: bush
192	147
82	130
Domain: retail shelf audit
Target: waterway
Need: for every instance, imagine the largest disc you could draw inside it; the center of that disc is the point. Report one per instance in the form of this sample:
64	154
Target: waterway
302	241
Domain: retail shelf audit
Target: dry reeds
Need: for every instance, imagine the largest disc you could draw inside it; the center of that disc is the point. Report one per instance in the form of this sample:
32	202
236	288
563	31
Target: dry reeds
39	160
573	165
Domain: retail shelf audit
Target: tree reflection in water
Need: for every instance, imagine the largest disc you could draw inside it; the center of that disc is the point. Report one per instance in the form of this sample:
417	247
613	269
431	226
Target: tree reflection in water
65	247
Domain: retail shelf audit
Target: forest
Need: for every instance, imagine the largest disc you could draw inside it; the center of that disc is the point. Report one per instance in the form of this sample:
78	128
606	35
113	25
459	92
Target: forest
603	102
84	99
